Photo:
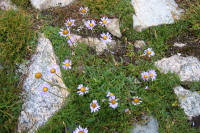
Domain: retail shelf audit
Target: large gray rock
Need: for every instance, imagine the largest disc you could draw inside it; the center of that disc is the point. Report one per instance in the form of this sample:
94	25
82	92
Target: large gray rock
113	27
188	68
189	101
154	12
44	4
38	108
150	126
6	5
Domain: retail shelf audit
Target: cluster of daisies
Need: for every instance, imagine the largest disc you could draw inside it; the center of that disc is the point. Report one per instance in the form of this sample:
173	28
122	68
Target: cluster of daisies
90	24
82	90
51	71
151	74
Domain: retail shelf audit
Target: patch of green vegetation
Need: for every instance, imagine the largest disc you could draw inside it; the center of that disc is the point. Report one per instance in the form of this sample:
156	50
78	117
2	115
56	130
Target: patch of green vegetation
192	17
101	75
16	43
22	3
15	36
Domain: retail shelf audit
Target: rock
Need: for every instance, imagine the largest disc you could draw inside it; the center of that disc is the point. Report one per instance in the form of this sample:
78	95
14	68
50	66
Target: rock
95	43
150	126
189	101
44	4
188	68
113	27
139	44
178	44
154	12
6	5
37	108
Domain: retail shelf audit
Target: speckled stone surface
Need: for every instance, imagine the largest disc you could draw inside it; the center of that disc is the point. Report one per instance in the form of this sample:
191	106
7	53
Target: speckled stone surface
154	12
188	68
44	4
189	101
38	108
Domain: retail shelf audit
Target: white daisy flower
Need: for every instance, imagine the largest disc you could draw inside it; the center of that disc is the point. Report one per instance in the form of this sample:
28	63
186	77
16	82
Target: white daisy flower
104	21
82	89
94	106
106	37
145	76
53	69
80	130
136	100
72	40
149	52
113	102
64	33
70	22
146	87
109	94
152	74
67	64
127	111
83	11
44	89
90	24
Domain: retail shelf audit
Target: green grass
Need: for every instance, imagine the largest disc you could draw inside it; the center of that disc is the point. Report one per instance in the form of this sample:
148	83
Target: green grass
100	73
16	43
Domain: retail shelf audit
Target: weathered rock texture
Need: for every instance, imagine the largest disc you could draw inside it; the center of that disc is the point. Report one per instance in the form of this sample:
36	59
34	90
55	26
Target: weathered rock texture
150	126
38	108
95	43
44	4
189	101
6	5
113	27
154	12
188	68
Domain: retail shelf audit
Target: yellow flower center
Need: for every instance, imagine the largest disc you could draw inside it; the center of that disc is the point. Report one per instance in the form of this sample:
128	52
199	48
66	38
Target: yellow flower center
53	70
83	10
65	32
113	101
45	89
94	105
90	25
111	94
80	132
128	111
148	52
151	75
104	21
38	75
83	89
105	37
145	76
69	23
67	64
136	100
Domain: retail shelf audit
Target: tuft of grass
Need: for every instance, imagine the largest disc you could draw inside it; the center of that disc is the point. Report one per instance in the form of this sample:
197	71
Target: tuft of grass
15	36
16	44
24	4
192	17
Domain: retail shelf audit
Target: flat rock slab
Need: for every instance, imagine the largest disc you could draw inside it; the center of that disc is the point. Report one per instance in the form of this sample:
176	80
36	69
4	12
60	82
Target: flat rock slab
44	4
188	68
150	126
189	101
154	12
38	108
